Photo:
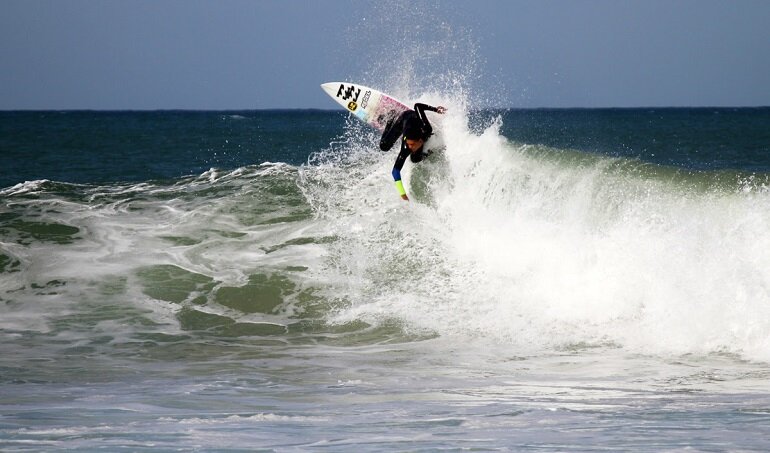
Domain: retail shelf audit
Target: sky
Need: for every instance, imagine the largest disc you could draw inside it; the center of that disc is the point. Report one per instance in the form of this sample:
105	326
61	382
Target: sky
265	54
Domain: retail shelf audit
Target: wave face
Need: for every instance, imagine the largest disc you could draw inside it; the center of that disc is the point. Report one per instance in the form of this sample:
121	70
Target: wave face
534	246
537	246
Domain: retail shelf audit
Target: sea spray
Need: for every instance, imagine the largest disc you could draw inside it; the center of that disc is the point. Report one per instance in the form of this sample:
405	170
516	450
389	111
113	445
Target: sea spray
542	248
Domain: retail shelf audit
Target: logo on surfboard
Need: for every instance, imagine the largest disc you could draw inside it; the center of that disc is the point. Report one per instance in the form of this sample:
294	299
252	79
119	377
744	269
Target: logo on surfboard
349	92
365	100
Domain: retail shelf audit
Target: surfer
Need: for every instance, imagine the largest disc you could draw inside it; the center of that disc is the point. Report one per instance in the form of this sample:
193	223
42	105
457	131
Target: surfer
414	128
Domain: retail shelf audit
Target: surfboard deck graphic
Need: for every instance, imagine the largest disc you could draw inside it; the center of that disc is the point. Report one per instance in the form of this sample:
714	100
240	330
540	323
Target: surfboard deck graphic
369	105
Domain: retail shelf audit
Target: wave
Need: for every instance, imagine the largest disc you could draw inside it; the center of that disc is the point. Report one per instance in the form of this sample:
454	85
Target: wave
225	252
540	247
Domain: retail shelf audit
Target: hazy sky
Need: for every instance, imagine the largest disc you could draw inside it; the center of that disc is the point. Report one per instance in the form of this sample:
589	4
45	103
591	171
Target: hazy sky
238	54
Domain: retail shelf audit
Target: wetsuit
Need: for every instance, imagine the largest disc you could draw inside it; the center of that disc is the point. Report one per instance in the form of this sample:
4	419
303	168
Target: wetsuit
412	124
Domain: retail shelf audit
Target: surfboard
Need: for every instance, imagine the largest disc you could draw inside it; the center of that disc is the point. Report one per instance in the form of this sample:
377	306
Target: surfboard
369	105
376	108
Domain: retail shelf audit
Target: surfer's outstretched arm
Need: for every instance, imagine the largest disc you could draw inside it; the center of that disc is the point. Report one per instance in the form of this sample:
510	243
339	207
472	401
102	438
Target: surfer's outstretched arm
420	108
397	171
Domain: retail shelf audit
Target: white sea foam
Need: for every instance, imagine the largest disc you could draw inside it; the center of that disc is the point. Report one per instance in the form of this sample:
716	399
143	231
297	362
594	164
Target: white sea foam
539	249
24	187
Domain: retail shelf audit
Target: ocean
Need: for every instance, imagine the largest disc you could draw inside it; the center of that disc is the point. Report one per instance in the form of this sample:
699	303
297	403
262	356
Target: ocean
561	280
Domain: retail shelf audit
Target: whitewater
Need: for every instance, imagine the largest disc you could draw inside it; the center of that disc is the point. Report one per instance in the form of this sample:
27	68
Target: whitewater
548	250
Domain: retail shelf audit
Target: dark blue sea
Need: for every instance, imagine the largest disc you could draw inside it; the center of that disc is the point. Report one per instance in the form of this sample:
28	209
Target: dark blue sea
561	280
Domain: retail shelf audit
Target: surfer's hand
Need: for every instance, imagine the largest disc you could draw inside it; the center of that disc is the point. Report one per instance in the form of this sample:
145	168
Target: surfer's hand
404	197
440	109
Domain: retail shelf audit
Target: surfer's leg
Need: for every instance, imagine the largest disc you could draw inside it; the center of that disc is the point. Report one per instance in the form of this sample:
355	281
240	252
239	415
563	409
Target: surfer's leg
393	130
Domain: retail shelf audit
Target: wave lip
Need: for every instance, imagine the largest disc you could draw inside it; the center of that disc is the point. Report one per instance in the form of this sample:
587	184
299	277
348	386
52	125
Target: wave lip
25	187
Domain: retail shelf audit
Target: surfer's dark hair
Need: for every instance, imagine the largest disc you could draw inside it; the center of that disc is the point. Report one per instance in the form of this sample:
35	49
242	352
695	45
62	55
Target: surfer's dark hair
413	129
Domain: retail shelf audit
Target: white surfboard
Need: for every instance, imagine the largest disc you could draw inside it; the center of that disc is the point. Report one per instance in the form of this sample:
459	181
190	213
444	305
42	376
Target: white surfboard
369	105
375	108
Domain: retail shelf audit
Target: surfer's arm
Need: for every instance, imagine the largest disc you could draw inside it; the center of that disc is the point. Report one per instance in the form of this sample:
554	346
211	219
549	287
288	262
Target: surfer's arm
400	185
397	171
420	108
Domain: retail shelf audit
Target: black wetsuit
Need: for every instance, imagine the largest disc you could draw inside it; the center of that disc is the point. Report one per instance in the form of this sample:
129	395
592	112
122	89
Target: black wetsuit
397	128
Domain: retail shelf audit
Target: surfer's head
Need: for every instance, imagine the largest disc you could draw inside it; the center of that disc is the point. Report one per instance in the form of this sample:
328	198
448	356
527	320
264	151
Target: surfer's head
413	134
414	145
